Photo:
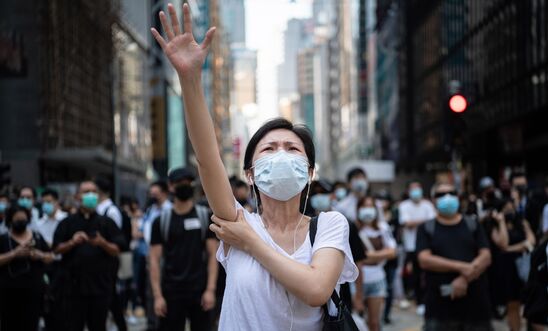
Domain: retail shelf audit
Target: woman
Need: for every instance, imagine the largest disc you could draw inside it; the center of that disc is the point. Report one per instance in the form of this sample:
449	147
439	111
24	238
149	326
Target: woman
520	240
272	271
380	247
23	255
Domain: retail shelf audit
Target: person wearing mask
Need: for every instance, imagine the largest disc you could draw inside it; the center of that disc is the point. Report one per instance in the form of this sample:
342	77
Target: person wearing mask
340	190
521	239
26	199
107	208
241	193
158	194
412	213
488	200
525	203
52	215
454	252
89	244
380	246
23	256
4	206
276	278
182	250
357	181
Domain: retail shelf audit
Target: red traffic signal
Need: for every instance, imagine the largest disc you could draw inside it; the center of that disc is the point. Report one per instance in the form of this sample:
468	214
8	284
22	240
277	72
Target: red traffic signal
458	103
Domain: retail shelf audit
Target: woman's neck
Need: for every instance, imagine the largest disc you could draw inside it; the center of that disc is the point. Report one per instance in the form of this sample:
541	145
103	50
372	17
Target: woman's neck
281	214
20	236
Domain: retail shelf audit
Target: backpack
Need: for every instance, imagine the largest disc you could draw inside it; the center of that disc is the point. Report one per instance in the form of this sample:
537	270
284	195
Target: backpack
126	226
470	221
165	221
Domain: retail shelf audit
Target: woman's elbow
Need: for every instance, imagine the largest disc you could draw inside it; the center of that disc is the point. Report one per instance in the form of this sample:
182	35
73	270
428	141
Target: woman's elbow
318	297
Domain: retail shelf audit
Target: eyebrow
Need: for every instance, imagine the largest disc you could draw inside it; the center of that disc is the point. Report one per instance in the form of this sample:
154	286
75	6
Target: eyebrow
284	143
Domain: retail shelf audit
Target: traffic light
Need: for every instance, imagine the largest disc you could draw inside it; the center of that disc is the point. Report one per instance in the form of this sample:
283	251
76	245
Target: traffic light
458	103
5	179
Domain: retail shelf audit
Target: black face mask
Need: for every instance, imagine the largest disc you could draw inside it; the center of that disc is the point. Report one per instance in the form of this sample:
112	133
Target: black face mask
522	189
19	227
184	192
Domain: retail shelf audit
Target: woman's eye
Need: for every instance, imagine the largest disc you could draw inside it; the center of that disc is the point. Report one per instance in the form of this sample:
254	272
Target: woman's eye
293	149
267	149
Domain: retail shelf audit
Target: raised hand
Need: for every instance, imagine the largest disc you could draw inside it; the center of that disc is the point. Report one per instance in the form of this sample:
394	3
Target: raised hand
184	53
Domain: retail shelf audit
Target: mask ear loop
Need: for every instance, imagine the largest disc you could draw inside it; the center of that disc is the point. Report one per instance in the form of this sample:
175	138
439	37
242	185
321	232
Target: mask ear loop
302	215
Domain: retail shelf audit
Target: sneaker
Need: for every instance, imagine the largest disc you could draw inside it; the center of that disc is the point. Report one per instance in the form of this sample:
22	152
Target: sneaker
420	310
404	304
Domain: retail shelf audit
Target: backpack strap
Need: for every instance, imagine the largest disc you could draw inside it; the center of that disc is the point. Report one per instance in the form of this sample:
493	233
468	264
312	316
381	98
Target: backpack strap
203	216
430	227
165	221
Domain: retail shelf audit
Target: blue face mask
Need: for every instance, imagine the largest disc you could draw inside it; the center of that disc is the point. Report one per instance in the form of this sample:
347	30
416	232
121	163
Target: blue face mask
447	205
321	202
340	193
359	185
3	207
281	175
25	203
48	208
90	200
415	194
367	214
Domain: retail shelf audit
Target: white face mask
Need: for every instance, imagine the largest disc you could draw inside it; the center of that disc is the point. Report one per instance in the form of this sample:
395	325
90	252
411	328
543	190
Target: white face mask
281	175
359	185
367	214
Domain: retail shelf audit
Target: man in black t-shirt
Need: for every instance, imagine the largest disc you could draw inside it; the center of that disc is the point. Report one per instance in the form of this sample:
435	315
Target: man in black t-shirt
181	237
454	252
89	244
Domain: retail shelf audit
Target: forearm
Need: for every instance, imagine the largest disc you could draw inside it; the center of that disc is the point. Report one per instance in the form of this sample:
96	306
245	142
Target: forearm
155	277
212	264
6	258
379	256
65	247
111	248
439	264
481	262
359	284
204	142
413	224
306	282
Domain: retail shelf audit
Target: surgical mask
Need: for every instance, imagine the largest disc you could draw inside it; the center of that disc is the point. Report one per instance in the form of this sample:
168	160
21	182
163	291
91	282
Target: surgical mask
321	202
184	192
415	194
19	226
340	193
48	208
3	207
90	200
281	175
367	214
25	203
359	185
448	205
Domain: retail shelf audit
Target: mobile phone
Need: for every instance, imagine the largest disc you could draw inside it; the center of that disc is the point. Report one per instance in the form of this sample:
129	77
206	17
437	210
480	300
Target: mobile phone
446	290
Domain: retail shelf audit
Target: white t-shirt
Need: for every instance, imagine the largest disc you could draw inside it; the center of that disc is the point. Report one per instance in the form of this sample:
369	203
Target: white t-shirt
347	207
254	300
375	273
46	226
112	211
412	211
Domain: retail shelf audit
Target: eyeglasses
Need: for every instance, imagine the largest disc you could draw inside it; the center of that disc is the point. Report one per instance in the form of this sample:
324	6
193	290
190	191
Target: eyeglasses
441	194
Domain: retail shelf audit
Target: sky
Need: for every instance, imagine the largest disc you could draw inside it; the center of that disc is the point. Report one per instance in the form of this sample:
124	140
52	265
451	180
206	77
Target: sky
265	23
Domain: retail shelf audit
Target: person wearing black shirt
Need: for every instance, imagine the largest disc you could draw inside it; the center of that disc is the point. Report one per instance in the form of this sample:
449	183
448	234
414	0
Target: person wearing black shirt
454	252
89	244
23	255
181	236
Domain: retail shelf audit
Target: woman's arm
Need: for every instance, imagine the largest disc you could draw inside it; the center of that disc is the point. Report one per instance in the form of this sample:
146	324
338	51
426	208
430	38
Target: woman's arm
499	234
380	255
187	57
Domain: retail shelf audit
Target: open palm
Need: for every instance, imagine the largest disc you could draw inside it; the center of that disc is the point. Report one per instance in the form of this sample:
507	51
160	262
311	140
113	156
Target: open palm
184	53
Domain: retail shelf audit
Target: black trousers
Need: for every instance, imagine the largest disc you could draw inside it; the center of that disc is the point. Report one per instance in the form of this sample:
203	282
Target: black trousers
90	311
180	309
417	276
20	309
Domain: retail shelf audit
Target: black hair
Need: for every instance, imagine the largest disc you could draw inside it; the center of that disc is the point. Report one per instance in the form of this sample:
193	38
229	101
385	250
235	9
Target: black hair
15	208
409	183
4	195
103	184
338	183
355	172
53	193
162	185
238	183
274	124
30	188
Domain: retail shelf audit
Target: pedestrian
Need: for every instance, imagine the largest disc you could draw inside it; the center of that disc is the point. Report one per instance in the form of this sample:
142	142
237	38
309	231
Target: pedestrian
182	250
23	256
413	212
4	206
89	244
489	199
107	208
357	181
454	252
241	192
276	279
380	246
52	215
340	190
536	290
27	199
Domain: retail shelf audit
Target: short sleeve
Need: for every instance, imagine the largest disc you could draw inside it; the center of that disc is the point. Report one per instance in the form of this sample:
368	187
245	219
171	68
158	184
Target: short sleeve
60	234
114	214
156	235
387	239
423	239
114	234
403	213
481	238
356	244
221	256
333	232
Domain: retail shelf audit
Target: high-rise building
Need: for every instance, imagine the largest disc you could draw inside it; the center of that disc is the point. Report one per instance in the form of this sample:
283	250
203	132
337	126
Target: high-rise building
233	18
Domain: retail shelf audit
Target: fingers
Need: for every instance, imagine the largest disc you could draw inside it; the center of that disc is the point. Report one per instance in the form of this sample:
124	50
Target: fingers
165	26
187	21
158	38
174	19
208	38
217	220
215	228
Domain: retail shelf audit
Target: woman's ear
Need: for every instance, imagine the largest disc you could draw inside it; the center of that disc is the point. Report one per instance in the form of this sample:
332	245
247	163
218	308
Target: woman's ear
249	177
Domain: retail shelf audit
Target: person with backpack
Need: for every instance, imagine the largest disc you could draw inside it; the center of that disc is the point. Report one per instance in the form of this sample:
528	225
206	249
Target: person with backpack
454	252
183	266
